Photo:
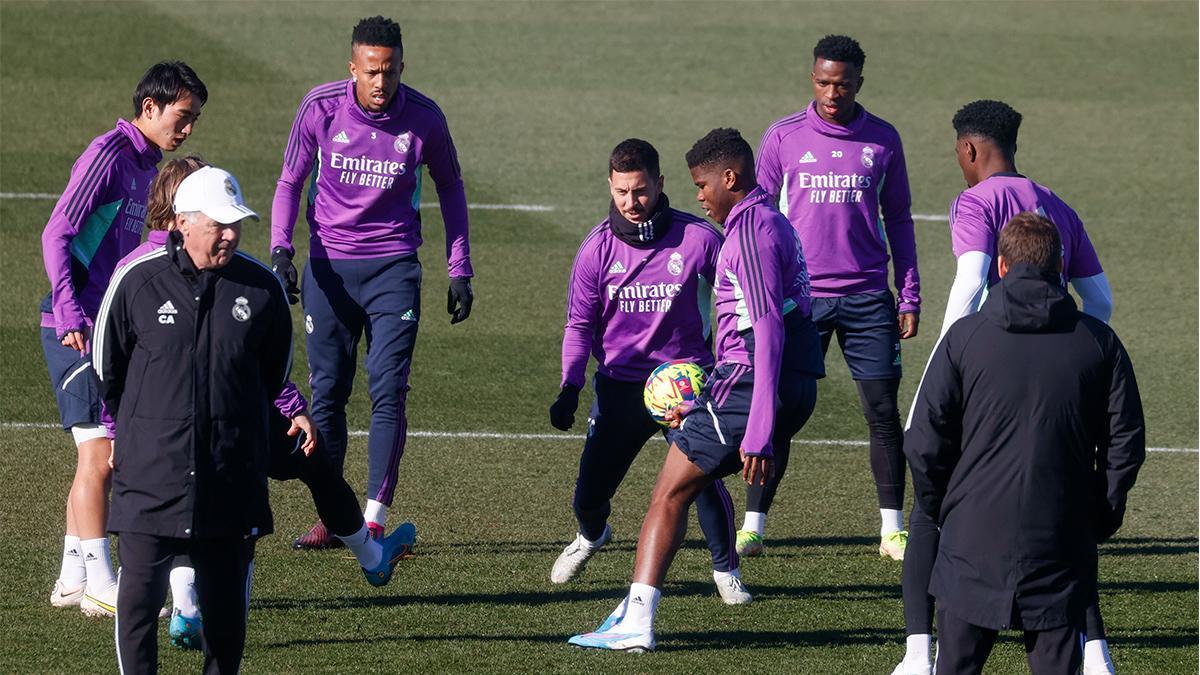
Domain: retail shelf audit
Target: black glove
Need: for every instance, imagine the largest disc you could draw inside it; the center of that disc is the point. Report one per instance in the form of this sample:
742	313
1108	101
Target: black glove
281	265
459	299
562	412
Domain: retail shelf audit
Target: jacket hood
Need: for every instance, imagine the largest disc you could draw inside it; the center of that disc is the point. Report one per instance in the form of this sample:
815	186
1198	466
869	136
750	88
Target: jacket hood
1028	301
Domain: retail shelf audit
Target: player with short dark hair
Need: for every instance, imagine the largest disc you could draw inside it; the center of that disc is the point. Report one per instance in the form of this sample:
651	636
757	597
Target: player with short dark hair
640	294
985	147
761	391
371	139
1025	438
98	220
839	175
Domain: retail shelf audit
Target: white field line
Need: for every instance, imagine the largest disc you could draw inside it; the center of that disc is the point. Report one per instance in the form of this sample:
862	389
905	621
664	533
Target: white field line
535	208
532	208
546	437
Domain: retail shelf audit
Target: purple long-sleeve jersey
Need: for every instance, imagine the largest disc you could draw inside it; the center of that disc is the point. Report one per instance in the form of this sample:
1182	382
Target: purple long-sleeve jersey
365	197
290	402
97	220
761	275
979	213
845	190
635	307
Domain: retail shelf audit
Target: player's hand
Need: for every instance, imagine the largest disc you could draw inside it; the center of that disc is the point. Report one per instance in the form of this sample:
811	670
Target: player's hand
459	299
112	449
756	469
303	423
282	266
908	324
75	339
562	411
674	416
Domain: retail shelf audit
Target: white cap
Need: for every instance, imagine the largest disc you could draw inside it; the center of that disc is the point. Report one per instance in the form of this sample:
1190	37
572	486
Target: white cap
215	193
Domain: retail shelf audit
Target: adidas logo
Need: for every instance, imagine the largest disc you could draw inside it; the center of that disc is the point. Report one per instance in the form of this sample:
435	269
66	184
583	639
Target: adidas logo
343	138
90	556
617	268
408	316
808	158
637	600
167	308
72	553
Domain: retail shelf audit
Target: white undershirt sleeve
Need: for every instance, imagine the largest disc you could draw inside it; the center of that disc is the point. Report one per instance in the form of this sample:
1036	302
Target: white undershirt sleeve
1096	296
969	288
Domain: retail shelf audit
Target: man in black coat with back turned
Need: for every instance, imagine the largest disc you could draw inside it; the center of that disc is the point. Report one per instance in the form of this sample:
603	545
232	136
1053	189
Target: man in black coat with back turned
1026	437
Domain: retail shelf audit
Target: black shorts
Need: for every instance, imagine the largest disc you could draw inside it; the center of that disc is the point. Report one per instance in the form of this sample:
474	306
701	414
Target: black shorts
711	434
867	329
75	385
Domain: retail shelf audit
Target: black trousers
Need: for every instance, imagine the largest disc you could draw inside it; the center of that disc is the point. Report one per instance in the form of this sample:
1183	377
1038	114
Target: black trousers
331	494
223	572
919	557
963	648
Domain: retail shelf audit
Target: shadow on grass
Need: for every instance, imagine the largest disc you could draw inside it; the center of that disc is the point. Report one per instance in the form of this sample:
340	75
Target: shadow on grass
669	642
629	545
1150	546
534	598
722	640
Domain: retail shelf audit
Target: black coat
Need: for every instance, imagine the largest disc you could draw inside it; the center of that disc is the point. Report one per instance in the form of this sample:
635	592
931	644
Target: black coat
188	363
1026	436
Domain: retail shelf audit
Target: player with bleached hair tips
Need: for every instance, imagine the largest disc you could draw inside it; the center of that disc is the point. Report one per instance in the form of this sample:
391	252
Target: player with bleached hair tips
640	294
761	391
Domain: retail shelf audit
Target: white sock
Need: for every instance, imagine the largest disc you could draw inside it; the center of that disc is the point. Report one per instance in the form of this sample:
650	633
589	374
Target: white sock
721	576
73	573
183	591
890	520
917	648
594	543
99	565
643	603
755	522
376	512
368	551
1096	650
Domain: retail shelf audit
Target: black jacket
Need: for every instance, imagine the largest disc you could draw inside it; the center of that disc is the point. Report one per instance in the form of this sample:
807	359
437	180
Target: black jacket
1026	436
188	363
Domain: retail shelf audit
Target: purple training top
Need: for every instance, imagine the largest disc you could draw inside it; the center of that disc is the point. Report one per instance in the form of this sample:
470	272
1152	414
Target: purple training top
761	275
97	220
634	308
364	200
290	401
835	183
980	212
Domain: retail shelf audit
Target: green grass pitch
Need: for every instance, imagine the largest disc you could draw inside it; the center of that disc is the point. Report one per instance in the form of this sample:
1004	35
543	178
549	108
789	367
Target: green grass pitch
537	94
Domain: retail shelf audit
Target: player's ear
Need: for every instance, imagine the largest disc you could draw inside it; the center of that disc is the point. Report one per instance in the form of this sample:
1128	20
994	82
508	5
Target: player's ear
400	71
1001	266
660	184
729	178
148	107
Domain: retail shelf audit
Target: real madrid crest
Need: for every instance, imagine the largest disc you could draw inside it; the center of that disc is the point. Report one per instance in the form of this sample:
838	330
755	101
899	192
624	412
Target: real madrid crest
403	141
229	189
675	264
308	324
241	308
868	157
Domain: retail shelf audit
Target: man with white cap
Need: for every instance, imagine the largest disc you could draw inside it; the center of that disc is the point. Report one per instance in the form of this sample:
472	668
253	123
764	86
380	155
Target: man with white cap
192	343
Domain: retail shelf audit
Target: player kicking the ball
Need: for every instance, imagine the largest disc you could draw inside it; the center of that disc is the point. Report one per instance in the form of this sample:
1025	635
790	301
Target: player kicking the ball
761	391
639	295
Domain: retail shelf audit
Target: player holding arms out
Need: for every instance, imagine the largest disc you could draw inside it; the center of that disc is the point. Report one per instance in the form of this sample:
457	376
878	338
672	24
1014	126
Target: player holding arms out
985	147
761	391
838	174
640	294
97	220
370	140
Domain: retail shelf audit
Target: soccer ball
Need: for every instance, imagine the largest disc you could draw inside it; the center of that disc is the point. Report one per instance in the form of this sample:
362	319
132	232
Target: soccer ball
670	384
